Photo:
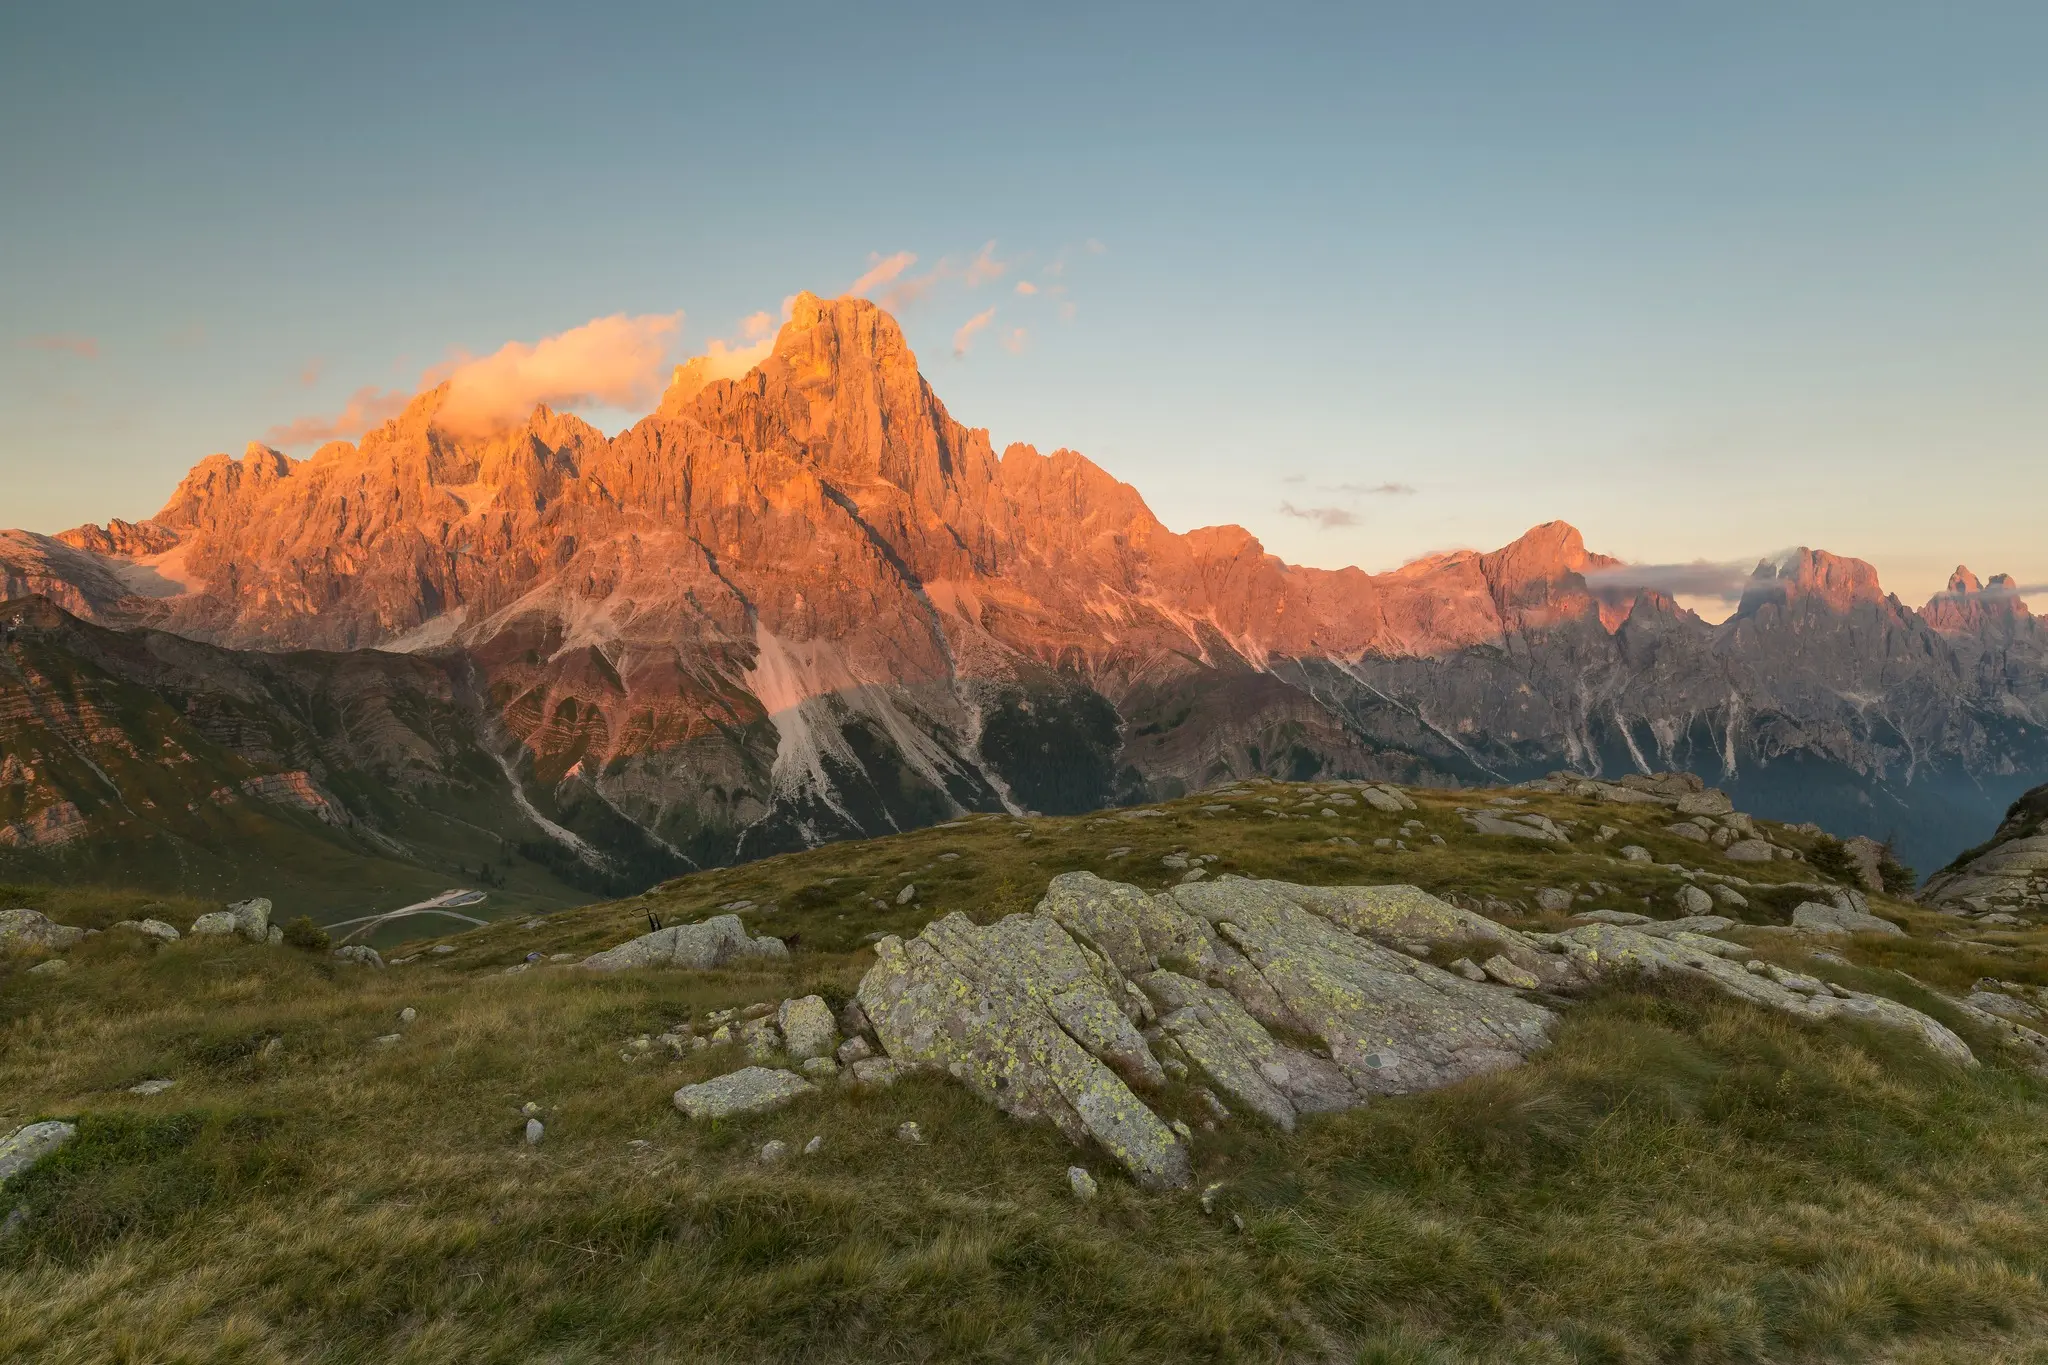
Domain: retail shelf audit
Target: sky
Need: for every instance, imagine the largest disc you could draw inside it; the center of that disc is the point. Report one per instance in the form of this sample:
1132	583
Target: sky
1707	280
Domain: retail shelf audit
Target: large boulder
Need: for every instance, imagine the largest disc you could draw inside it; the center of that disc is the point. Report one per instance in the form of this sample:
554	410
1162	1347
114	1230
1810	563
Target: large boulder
807	1027
252	919
711	943
33	931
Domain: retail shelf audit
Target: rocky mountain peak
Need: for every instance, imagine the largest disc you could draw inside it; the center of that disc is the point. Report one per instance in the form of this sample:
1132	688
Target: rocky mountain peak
1967	607
1833	581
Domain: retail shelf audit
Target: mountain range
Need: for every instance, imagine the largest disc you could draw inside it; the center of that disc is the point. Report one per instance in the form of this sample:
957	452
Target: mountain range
807	604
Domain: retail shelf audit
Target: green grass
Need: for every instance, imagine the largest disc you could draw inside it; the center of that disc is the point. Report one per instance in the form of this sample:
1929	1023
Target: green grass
1678	1178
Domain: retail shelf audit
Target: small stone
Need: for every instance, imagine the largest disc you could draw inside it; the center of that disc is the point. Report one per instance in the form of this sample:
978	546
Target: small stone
407	1015
909	1132
386	1039
360	953
1508	974
442	948
530	1109
518	967
1180	1126
773	1151
815	1145
1728	895
1082	1183
1635	853
156	1085
56	966
907	894
1553	898
855	1050
534	1132
1468	969
820	1068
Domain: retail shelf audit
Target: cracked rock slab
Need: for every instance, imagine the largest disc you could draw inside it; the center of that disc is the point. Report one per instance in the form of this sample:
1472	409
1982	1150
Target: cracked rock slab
750	1090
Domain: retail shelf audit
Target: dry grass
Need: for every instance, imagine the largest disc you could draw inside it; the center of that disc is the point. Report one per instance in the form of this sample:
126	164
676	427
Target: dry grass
1678	1179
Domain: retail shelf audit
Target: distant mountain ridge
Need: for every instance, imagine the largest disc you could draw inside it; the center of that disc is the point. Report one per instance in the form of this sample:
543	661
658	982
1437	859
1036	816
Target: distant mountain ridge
808	603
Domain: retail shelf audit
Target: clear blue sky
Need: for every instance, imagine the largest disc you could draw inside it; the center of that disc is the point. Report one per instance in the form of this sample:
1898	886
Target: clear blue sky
1707	280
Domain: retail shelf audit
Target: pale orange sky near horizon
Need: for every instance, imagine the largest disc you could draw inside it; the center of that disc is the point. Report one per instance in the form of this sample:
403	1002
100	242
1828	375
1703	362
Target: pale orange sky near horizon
1370	282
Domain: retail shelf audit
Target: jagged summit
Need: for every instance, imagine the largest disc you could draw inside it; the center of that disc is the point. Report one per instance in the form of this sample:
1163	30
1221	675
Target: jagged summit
800	598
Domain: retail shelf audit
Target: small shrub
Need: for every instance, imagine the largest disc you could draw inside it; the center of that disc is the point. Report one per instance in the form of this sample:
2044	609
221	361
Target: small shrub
1898	879
1829	858
303	933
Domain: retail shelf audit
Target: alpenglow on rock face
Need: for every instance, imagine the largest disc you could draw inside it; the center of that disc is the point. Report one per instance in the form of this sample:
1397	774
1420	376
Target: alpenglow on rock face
1287	1000
778	588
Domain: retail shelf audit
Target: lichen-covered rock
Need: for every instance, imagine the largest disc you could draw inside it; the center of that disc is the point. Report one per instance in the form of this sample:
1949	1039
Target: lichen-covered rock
1240	1058
711	943
750	1090
1694	901
33	931
1393	1024
807	1028
360	953
24	1147
214	924
1603	949
252	919
1750	851
1816	918
948	999
760	1039
151	928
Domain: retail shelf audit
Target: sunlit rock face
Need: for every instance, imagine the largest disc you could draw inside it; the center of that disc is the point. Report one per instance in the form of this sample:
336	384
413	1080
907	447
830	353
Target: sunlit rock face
806	602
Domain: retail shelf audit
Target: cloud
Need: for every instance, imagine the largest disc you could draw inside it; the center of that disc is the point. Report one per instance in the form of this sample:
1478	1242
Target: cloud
1014	339
310	376
985	267
617	361
367	407
881	270
85	348
756	326
1701	578
1095	247
1376	490
1325	517
1026	287
721	361
964	338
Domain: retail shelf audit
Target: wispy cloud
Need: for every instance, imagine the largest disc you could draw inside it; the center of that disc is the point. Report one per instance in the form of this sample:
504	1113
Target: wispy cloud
964	338
1373	490
65	343
1026	287
756	326
1015	339
1701	578
618	361
985	267
1328	518
881	270
367	407
310	376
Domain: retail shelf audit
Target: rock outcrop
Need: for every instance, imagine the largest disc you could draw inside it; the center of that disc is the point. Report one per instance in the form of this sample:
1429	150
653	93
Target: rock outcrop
1288	1000
2007	875
711	943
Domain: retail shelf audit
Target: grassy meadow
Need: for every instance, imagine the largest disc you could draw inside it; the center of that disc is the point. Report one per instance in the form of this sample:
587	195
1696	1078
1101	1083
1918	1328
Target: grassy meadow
1678	1178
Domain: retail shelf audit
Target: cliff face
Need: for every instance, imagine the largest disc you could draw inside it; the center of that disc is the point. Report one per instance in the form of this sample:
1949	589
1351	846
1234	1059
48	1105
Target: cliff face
807	602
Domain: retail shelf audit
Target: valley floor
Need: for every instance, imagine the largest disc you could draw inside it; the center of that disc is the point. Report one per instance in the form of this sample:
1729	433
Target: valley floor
1679	1177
